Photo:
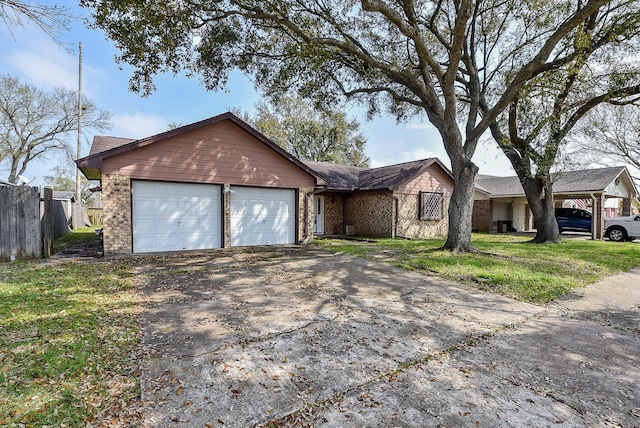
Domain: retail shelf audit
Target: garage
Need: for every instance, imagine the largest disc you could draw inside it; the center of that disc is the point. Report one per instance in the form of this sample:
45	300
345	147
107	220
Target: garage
215	183
176	216
262	216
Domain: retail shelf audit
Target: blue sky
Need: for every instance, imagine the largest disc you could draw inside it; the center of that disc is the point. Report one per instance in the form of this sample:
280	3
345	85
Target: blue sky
36	59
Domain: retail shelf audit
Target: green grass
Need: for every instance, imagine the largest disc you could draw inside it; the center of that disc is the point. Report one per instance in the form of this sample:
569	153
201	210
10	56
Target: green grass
70	345
82	234
507	265
70	341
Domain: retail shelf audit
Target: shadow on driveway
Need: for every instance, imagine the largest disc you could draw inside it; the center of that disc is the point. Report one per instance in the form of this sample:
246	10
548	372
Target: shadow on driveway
301	337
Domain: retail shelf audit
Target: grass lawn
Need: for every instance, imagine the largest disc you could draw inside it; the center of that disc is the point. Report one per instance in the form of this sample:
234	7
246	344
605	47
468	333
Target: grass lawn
70	340
70	343
506	264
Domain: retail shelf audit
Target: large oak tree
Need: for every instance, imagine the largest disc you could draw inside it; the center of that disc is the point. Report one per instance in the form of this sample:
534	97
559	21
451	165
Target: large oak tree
600	67
447	59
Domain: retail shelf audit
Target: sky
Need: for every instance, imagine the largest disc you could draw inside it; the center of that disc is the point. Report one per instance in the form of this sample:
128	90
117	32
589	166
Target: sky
34	58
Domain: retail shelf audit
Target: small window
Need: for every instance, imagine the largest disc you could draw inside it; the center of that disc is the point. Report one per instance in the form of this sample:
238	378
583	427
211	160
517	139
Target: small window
431	206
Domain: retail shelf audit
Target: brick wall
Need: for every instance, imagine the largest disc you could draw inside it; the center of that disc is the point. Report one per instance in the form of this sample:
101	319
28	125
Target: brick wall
226	217
333	214
409	224
371	213
481	217
305	208
116	197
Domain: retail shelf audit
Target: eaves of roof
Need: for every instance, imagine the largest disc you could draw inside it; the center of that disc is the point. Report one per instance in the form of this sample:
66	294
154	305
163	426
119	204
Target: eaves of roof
344	178
567	183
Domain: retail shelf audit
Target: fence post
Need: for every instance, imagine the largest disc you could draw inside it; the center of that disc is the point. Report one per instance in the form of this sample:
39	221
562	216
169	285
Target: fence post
8	231
32	226
46	215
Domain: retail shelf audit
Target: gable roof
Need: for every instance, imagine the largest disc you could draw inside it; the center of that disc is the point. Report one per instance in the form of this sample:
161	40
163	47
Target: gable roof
567	182
105	147
346	178
338	177
103	143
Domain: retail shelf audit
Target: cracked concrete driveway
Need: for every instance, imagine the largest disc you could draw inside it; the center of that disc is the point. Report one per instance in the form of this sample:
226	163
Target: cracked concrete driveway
301	337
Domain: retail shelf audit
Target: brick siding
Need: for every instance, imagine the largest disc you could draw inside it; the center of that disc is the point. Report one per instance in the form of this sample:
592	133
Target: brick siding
333	214
116	197
371	213
409	224
305	207
481	217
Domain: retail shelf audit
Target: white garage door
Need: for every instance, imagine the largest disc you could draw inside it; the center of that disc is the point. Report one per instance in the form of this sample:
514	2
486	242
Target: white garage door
176	216
262	216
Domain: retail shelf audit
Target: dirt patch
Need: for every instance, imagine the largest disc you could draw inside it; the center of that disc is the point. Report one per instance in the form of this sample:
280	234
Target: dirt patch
82	249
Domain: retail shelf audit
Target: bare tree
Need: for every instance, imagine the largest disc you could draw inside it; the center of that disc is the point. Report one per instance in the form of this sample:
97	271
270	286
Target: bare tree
611	134
34	123
53	20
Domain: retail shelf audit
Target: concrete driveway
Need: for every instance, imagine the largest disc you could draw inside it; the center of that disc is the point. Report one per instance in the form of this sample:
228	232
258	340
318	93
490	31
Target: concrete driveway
301	337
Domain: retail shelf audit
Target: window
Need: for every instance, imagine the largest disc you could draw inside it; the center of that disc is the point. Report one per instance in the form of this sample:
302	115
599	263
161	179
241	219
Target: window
431	206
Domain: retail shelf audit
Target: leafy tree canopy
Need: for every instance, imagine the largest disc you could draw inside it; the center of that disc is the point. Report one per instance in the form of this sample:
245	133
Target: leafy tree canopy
460	62
602	69
310	134
64	178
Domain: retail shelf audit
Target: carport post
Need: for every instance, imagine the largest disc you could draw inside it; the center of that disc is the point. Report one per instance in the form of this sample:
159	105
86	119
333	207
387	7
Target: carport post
594	217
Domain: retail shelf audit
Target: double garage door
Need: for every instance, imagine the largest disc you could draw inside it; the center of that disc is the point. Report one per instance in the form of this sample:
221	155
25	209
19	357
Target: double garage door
185	216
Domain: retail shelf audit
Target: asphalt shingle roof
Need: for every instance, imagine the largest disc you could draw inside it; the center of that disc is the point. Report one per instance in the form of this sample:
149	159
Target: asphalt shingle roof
588	180
338	177
63	194
103	143
342	177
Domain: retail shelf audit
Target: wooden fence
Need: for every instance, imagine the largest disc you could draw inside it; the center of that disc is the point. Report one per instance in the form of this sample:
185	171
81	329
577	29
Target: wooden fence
26	222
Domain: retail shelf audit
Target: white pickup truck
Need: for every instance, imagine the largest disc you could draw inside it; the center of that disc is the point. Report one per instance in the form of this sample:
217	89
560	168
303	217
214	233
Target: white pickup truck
622	228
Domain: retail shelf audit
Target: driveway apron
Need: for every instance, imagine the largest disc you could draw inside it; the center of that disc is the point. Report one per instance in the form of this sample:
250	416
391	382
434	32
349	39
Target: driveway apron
294	336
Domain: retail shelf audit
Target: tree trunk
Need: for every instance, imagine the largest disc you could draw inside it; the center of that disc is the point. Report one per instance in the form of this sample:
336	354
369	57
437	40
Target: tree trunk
13	173
461	206
544	210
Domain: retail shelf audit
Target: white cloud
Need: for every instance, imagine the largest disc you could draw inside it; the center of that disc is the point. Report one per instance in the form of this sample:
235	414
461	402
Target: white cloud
420	126
46	65
138	125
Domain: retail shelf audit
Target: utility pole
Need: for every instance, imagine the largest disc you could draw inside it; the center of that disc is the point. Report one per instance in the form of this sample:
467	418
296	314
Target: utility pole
79	151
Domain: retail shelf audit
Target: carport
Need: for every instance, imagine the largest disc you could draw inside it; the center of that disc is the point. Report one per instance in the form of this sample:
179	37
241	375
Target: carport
500	204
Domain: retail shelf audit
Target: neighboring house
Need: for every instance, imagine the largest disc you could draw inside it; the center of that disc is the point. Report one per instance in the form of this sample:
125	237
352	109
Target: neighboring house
219	183
408	200
500	204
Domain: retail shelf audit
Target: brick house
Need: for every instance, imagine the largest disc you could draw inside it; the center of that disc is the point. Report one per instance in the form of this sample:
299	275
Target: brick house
408	200
219	183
